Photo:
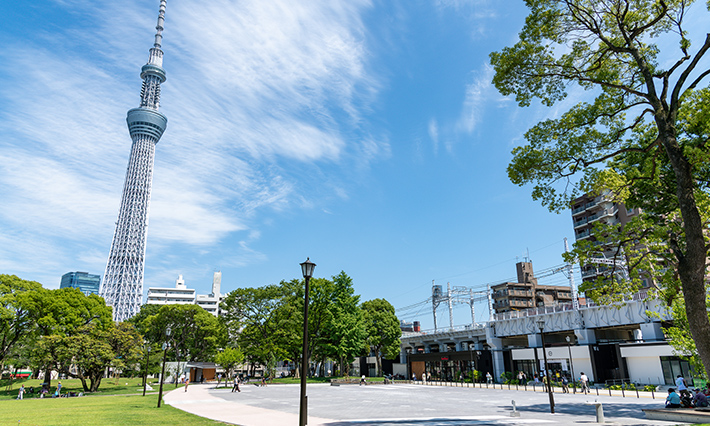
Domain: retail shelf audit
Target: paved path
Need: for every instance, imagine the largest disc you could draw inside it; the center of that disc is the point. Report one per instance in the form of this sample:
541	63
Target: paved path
402	405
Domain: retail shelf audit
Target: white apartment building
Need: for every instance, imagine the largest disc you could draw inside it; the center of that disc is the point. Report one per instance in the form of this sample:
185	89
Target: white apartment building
180	294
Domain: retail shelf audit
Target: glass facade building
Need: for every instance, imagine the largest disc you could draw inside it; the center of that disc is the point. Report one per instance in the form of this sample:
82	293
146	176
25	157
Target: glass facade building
84	281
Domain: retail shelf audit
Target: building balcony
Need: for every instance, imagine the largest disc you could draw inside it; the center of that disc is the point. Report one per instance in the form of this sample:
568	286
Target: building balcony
602	214
599	201
579	210
581	222
583	234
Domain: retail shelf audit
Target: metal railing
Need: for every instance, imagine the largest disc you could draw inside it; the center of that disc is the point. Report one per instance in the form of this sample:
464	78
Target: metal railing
537	387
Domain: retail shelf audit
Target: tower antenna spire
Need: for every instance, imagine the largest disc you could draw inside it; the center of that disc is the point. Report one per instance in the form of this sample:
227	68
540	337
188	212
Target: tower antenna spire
159	27
122	285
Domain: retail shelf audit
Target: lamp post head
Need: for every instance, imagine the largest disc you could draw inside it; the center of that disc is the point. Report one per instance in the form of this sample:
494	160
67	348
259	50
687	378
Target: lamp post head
168	331
307	268
540	324
568	339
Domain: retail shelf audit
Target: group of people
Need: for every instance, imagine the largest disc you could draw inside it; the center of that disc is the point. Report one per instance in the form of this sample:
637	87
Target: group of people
562	379
42	392
684	398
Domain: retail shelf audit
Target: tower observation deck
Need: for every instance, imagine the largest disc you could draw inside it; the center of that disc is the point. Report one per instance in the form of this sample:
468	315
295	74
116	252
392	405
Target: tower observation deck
122	286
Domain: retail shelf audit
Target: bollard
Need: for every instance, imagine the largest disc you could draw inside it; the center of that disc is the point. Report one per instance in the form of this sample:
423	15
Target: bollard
515	412
600	412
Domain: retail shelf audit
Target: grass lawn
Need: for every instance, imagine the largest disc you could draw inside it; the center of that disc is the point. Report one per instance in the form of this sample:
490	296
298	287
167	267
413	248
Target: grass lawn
95	410
108	386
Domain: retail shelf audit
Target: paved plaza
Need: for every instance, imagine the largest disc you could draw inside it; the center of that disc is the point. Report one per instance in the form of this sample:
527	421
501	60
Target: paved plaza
404	405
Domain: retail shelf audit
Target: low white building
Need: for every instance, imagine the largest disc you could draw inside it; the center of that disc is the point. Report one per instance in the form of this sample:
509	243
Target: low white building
182	295
179	294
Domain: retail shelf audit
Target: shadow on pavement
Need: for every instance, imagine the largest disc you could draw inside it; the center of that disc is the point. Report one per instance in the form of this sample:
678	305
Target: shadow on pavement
416	422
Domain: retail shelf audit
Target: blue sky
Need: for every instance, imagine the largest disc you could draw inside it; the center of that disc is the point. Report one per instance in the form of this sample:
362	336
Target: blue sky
364	134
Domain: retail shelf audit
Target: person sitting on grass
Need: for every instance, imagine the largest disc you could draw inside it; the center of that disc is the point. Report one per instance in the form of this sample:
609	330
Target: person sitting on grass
673	399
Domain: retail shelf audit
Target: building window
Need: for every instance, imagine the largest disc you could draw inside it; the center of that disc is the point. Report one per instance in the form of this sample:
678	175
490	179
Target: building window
673	366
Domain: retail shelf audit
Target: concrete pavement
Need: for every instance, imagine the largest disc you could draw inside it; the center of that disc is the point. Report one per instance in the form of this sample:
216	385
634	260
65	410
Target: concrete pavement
403	405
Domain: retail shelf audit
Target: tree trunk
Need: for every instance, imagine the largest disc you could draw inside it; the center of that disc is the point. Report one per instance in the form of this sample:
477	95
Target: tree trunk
83	383
378	364
48	377
691	263
95	382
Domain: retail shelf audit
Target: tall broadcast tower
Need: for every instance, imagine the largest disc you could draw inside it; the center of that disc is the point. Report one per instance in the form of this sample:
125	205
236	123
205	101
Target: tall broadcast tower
122	286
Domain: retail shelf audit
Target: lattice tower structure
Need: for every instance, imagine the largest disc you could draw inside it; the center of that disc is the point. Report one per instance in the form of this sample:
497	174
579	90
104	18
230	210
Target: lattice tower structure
122	286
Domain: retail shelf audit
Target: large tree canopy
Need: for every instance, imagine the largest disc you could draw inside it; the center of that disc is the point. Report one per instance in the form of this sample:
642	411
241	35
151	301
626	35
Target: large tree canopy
16	319
644	135
382	330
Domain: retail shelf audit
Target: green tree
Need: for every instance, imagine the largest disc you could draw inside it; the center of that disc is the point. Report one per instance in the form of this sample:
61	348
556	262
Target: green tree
320	316
195	334
16	319
255	318
382	328
680	338
59	314
229	359
88	350
346	327
637	137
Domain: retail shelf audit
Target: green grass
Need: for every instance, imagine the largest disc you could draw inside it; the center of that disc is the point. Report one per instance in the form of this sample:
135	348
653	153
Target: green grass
94	410
108	387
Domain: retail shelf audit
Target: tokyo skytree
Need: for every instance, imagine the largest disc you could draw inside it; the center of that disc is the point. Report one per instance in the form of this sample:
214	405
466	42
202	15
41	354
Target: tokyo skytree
122	286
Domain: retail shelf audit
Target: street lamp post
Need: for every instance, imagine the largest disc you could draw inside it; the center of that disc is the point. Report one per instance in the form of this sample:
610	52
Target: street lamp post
541	326
147	362
307	268
162	372
571	365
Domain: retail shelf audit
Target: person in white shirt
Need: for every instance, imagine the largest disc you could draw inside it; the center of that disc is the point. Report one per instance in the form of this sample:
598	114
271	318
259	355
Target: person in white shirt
682	388
584	380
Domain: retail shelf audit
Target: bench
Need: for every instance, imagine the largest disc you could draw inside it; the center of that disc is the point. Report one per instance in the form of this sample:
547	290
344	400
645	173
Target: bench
686	415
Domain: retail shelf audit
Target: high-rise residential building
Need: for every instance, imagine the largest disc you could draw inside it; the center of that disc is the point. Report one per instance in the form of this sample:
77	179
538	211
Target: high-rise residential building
590	209
123	281
84	281
210	302
527	293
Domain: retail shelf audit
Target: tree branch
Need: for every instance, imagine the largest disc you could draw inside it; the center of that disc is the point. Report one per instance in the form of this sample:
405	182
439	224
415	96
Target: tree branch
684	75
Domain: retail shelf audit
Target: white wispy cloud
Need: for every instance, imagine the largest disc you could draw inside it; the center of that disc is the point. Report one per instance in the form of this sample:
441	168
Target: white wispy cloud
478	95
256	91
434	133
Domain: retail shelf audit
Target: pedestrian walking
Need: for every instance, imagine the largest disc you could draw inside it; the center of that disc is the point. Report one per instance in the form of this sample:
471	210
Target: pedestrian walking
235	388
362	380
187	383
21	392
565	384
584	382
682	388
